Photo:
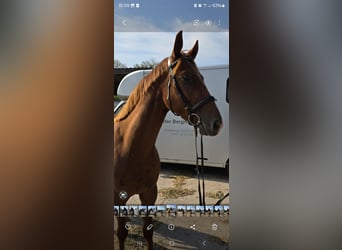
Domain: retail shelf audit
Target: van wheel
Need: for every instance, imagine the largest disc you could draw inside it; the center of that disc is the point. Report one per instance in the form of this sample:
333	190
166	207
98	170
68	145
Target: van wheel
227	167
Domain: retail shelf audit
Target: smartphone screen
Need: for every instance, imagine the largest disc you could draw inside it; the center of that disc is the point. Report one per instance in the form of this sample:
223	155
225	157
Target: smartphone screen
144	35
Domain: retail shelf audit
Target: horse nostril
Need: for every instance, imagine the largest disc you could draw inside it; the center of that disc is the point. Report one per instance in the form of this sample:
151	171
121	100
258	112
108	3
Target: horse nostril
216	125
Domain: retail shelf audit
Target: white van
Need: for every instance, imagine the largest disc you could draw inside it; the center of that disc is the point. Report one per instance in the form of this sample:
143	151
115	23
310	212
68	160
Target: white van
175	142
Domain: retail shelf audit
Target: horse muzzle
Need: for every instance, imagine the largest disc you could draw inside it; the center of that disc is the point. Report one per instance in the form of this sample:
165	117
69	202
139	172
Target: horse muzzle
211	127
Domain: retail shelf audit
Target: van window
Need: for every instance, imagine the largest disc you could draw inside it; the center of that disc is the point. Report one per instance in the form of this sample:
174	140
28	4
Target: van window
227	94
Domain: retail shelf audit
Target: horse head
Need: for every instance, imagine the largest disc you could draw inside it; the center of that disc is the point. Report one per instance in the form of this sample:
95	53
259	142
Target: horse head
187	94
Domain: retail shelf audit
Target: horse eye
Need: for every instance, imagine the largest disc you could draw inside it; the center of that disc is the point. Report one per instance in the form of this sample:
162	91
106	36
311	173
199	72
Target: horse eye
186	77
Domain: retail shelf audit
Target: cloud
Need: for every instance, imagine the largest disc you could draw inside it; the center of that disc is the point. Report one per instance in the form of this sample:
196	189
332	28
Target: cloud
144	24
213	47
134	47
197	25
134	24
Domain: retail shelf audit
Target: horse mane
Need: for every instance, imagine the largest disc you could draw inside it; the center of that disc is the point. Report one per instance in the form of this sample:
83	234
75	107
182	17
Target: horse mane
141	89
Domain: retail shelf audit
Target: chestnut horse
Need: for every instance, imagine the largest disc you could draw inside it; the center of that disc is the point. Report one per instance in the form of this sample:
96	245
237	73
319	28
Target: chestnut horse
177	85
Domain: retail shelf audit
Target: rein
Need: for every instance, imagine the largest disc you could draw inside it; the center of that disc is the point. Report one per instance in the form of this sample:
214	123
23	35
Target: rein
200	172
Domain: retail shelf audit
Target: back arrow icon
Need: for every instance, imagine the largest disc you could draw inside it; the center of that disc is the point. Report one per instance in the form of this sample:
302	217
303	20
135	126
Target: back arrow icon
124	22
204	243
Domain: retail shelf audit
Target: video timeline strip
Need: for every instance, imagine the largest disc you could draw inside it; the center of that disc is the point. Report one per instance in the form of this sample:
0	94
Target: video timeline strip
170	210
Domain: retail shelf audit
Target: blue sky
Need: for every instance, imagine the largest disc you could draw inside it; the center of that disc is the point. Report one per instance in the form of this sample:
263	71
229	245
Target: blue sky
148	32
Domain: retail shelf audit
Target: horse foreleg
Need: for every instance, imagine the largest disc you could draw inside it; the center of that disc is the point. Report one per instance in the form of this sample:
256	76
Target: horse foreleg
148	232
148	198
122	232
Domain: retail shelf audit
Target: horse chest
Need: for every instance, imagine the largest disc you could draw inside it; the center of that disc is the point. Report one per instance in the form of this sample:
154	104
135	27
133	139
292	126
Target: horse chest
137	172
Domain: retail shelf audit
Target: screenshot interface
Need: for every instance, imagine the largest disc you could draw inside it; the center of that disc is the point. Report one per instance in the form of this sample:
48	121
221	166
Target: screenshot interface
144	34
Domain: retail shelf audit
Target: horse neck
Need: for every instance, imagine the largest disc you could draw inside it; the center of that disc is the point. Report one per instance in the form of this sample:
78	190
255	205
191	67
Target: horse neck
149	116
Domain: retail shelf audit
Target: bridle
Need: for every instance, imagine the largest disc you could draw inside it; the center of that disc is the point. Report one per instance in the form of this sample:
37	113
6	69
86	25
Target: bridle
193	119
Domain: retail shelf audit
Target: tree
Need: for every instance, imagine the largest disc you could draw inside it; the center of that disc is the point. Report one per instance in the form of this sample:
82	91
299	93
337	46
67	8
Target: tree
146	64
118	64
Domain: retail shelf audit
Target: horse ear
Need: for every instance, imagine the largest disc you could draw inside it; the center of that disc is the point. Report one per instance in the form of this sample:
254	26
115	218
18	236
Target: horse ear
193	51
177	47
